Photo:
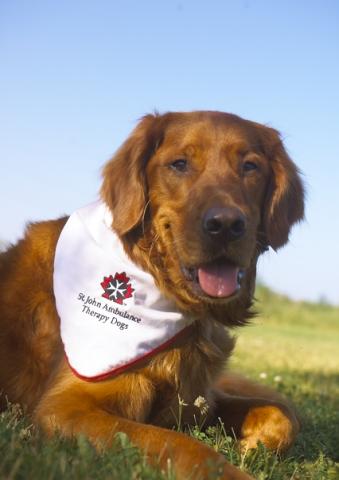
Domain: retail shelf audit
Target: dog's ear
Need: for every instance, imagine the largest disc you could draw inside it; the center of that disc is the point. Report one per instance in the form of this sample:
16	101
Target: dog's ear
284	205
124	187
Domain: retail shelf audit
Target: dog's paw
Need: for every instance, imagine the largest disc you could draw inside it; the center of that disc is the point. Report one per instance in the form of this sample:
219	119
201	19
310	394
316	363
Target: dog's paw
274	426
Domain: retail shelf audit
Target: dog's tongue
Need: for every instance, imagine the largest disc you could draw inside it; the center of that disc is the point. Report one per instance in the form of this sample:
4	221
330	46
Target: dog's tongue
218	279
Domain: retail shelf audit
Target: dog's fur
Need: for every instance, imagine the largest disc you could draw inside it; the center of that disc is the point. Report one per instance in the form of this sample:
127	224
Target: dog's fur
157	213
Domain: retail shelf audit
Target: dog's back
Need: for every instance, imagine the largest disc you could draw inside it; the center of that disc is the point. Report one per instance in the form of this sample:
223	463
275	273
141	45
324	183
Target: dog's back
29	340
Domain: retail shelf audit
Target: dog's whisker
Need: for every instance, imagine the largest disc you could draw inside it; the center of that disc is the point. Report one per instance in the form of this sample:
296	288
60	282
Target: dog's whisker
143	217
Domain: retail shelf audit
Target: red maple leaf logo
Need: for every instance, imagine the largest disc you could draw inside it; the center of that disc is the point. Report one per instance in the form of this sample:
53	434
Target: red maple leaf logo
117	288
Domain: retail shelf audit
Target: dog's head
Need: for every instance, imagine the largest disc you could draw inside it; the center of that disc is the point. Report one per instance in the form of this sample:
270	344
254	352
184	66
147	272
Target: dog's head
197	196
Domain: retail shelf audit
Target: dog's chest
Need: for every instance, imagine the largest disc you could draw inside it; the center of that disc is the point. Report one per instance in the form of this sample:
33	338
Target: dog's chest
185	385
173	384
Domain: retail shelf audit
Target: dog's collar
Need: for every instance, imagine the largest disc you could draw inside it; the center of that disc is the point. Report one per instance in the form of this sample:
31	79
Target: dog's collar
112	315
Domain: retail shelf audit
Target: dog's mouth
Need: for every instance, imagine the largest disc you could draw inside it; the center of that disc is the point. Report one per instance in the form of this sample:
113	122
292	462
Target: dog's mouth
219	279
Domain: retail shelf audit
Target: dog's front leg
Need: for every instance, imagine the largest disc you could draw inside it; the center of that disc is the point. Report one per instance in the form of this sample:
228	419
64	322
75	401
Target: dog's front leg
79	413
254	420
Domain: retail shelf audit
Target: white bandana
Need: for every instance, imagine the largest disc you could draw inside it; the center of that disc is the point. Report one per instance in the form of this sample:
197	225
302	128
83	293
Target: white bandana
112	315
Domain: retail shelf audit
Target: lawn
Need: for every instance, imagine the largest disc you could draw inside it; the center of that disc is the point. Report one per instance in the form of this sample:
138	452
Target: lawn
293	346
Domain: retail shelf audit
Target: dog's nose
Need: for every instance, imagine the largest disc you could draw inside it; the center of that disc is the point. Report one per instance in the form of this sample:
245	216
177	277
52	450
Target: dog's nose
224	222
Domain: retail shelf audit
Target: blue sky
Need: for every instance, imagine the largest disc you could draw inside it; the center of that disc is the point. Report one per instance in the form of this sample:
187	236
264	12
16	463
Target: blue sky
76	76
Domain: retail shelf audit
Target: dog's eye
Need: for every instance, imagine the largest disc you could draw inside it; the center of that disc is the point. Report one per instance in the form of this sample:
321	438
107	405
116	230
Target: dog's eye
179	165
249	167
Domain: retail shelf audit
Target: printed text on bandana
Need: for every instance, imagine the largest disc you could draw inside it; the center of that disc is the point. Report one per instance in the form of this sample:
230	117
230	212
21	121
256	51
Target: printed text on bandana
105	313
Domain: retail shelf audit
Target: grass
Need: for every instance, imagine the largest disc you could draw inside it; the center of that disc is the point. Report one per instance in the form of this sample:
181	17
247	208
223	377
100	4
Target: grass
27	455
293	346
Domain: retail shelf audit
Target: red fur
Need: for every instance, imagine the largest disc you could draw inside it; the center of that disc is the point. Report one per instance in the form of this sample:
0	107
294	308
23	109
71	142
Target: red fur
157	215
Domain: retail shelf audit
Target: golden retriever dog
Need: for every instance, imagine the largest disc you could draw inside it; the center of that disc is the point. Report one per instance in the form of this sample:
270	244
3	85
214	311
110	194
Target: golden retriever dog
195	198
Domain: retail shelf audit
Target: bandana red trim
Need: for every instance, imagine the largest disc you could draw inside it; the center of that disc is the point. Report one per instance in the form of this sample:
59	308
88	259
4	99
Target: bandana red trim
104	376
